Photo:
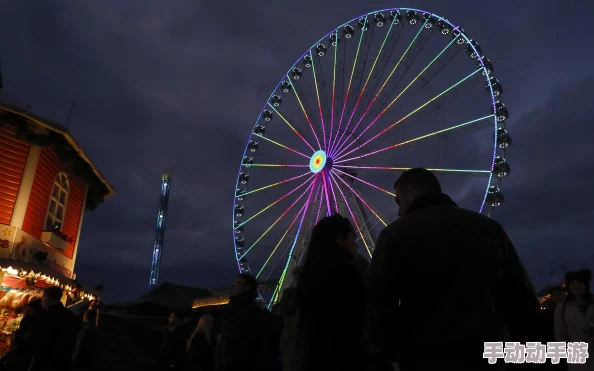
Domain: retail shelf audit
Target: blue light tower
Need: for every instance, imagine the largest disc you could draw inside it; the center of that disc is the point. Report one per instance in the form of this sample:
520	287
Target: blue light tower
160	231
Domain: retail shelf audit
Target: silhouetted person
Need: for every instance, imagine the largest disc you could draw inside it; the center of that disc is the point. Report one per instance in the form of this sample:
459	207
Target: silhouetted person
200	347
574	317
58	332
331	297
288	310
251	335
86	351
23	344
458	278
173	348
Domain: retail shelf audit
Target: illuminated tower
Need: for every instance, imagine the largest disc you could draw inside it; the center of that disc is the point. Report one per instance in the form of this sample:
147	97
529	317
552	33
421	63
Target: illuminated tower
160	231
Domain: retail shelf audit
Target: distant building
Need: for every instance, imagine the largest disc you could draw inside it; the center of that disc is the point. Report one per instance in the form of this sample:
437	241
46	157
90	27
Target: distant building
220	297
46	184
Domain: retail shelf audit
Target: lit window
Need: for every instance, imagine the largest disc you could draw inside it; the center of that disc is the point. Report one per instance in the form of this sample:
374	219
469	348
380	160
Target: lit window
57	204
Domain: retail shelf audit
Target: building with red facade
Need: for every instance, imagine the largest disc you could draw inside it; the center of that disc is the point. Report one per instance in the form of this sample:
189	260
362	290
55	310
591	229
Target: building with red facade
46	184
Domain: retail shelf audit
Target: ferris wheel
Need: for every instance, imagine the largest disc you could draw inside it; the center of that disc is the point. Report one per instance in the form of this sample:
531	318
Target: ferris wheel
384	92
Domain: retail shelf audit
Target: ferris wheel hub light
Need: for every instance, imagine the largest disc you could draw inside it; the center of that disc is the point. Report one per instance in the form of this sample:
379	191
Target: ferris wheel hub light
318	161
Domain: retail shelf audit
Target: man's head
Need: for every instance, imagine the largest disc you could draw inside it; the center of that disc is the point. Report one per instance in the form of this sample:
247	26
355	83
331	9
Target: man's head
52	295
413	184
244	283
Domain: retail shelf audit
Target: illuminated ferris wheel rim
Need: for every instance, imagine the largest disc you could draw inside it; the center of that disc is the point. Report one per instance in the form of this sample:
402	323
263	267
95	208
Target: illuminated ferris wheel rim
326	158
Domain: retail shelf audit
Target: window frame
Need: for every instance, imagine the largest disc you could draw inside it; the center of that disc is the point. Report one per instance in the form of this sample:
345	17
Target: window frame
62	182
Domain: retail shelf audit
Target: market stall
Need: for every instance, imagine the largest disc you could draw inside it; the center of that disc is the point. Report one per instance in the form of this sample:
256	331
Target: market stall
19	287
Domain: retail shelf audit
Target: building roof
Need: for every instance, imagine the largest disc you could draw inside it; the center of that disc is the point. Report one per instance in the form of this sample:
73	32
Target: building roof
174	296
10	104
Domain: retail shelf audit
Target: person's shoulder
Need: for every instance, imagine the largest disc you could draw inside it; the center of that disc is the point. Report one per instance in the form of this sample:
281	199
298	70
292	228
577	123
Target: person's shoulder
480	219
392	228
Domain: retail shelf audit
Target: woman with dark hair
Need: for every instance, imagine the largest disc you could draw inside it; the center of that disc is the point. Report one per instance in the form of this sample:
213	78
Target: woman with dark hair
331	300
574	317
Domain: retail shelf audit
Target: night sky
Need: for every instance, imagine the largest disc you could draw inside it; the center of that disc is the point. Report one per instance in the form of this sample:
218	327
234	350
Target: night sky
178	85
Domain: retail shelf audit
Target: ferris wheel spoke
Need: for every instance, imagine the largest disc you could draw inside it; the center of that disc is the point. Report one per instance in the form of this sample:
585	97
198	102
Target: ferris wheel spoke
291	126
294	89
286	250
407	116
379	53
243	194
313	68
280	284
281	240
274	203
326	192
346	97
363	181
276	165
461	171
360	198
333	90
276	221
352	215
340	143
397	97
328	174
278	261
416	139
281	145
321	203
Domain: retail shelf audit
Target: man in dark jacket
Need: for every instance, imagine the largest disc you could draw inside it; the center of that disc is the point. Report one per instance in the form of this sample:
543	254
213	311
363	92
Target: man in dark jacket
444	281
58	330
251	334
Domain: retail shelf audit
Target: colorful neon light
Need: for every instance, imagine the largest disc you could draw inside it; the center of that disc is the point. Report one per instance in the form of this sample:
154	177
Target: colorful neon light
408	168
313	68
369	76
407	116
294	242
365	182
291	126
271	185
317	161
399	95
333	90
280	145
352	216
361	199
277	220
304	112
416	139
274	203
346	98
337	148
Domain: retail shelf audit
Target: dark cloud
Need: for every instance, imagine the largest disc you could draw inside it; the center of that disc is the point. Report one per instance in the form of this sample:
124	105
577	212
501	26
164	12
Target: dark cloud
177	87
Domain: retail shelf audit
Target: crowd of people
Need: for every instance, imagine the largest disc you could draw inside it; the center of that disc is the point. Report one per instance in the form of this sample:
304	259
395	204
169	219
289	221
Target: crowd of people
51	338
443	280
